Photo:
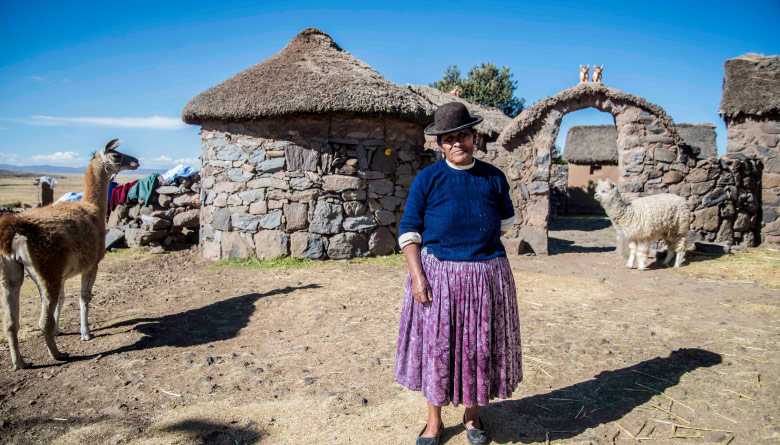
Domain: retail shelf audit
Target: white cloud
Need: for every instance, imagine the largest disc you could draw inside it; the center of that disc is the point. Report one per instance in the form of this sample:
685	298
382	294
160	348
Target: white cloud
60	158
39	78
166	162
152	122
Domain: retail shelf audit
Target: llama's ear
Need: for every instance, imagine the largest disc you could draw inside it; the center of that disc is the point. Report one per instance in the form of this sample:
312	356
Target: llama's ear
112	145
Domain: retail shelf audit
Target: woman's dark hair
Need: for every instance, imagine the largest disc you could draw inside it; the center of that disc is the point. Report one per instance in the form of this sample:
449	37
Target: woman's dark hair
439	137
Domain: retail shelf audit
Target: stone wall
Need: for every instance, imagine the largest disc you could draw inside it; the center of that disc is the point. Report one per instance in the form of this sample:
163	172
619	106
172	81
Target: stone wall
170	218
724	196
760	137
311	187
559	183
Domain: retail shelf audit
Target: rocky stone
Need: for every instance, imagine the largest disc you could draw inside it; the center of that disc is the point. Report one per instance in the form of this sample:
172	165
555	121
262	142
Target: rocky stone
251	196
231	153
706	219
339	183
354	195
701	175
535	238
188	219
276	183
654	138
537	188
270	165
169	189
347	245
380	186
325	218
300	158
371	174
244	221
714	198
295	215
384	217
164	200
700	188
114	237
270	244
725	233
307	245
381	241
771	127
136	238
258	208
672	177
664	154
383	160
301	183
220	220
390	202
239	175
711	248
234	200
742	222
220	200
271	220
153	223
234	245
770	180
354	208
191	200
361	222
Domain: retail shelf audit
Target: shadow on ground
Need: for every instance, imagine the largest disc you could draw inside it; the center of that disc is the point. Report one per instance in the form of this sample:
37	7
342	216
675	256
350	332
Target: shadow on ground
567	412
557	245
217	321
215	434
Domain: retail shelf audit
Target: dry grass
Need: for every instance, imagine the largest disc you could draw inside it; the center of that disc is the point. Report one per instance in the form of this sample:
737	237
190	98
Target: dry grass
760	266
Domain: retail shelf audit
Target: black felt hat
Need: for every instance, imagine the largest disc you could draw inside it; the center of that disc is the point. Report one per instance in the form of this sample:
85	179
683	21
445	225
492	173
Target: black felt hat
451	117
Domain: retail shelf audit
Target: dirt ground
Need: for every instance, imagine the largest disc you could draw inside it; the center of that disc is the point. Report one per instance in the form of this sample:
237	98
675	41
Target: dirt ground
189	352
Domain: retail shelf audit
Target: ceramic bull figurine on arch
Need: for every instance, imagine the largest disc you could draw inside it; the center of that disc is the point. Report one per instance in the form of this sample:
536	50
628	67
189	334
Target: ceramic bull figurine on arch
597	73
584	73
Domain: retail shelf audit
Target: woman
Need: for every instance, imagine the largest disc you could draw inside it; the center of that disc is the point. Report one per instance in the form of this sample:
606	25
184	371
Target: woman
459	339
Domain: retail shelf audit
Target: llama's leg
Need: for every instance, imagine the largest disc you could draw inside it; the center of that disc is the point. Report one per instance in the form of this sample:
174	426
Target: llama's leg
48	305
671	246
58	311
12	278
631	254
680	249
87	281
642	248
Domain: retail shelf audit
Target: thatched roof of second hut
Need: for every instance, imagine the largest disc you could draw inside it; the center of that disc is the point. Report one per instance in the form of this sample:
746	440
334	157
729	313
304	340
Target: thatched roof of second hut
751	86
591	144
495	119
311	75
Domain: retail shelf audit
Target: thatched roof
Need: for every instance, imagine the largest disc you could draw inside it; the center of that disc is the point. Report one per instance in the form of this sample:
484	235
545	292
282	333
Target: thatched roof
751	86
311	75
495	119
573	99
591	144
701	138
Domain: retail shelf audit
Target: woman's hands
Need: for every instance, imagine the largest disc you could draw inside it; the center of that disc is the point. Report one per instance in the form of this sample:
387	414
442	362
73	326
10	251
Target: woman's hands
421	290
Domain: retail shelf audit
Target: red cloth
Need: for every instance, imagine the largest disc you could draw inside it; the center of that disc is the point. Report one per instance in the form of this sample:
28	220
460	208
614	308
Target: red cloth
119	194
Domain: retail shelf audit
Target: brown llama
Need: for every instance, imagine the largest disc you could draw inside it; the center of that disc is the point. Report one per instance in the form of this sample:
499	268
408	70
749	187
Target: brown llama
55	243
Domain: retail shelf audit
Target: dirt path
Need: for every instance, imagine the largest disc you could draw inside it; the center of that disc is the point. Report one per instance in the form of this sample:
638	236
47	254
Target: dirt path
188	353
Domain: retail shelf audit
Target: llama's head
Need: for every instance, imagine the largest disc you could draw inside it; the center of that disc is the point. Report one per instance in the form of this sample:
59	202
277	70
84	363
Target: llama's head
113	160
605	188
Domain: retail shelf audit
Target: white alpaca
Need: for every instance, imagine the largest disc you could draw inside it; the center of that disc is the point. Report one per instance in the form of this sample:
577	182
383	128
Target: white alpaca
645	220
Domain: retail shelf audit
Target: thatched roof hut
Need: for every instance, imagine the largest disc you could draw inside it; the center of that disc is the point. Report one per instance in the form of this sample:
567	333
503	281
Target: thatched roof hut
701	138
311	75
494	119
751	86
591	144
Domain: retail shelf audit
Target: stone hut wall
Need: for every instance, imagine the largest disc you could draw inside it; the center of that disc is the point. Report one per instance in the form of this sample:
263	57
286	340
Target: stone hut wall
724	197
559	183
171	217
760	137
311	187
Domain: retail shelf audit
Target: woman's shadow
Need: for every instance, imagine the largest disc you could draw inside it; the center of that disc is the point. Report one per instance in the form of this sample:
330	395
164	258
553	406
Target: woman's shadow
567	412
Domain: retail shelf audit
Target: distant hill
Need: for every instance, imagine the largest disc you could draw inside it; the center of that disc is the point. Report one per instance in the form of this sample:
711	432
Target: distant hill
57	170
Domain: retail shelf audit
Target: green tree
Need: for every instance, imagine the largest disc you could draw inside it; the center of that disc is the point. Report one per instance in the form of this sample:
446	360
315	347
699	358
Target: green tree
485	84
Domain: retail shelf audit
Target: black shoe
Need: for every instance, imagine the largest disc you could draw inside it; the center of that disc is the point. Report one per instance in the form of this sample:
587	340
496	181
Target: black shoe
430	440
476	436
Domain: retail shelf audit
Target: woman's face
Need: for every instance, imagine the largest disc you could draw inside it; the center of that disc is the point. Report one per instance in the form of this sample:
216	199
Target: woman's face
458	147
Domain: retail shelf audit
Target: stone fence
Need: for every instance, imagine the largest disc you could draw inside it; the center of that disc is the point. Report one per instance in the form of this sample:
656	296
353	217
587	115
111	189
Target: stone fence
170	218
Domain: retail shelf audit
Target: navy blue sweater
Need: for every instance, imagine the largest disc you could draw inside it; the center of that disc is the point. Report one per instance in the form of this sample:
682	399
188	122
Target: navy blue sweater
458	213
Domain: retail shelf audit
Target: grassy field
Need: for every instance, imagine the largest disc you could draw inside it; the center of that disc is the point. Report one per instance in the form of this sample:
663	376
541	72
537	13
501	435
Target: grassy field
18	189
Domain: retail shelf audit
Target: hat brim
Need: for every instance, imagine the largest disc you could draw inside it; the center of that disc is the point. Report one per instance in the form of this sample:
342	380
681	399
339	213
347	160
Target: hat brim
433	131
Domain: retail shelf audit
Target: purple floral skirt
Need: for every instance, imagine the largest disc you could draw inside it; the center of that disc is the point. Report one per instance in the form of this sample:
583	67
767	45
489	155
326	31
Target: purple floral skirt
464	347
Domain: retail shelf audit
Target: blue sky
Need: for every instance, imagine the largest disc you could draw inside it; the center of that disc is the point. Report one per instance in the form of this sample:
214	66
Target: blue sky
75	74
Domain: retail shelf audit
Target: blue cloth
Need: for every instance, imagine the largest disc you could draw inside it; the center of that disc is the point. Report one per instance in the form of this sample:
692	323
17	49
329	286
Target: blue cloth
458	213
71	197
180	171
111	186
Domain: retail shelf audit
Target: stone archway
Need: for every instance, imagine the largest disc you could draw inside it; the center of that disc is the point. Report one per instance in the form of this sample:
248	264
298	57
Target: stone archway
651	157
